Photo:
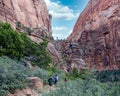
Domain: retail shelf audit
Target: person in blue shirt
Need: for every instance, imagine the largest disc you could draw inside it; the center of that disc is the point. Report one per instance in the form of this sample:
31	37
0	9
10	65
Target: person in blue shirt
56	79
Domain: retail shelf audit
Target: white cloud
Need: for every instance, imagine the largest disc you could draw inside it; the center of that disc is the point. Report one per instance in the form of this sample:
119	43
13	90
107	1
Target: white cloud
59	28
60	11
61	32
59	36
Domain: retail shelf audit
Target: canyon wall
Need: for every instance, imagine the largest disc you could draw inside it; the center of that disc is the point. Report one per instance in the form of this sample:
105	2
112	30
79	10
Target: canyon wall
27	15
30	16
97	33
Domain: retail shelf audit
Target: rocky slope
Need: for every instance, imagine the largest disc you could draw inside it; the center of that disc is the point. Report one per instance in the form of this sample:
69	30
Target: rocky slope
97	33
27	15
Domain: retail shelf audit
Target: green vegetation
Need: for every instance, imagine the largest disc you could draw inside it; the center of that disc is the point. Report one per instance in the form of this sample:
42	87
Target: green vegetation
17	49
108	76
41	73
87	87
42	57
11	43
15	45
30	46
26	29
75	74
12	75
36	53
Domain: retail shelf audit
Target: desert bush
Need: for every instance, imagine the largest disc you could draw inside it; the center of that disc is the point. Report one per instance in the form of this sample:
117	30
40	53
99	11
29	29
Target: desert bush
42	57
88	86
112	89
30	47
13	75
108	76
36	52
85	87
41	73
74	74
11	43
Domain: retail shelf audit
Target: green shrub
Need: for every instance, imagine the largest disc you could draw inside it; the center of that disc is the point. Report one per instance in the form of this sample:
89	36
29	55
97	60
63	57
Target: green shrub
30	47
112	89
15	46
41	73
42	57
26	29
88	87
13	75
75	74
36	52
108	76
11	43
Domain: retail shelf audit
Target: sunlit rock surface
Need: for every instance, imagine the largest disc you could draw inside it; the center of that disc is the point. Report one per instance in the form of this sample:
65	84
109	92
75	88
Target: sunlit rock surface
54	53
27	15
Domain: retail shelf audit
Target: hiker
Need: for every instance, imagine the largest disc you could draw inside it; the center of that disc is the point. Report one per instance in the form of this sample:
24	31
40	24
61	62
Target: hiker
55	79
65	79
50	81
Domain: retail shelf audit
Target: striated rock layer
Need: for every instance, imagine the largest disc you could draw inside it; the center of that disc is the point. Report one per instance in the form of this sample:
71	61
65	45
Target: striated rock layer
97	31
30	16
27	15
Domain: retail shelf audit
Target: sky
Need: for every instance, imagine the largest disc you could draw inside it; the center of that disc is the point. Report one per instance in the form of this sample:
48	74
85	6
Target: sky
64	15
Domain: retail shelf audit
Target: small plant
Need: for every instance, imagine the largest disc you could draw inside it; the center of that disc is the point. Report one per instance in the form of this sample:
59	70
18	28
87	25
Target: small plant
26	29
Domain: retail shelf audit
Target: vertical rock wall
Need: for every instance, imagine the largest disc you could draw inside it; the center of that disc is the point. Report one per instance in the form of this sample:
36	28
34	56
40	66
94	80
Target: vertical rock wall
97	31
30	14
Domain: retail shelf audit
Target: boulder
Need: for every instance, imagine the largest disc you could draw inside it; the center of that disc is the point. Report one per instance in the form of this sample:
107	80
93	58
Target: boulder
35	82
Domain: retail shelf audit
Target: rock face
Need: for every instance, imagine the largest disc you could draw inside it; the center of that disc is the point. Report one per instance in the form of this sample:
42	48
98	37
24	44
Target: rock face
30	16
27	15
54	53
35	82
25	92
97	32
72	56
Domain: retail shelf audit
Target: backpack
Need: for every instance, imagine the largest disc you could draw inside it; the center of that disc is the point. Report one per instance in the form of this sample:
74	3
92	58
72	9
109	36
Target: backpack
50	81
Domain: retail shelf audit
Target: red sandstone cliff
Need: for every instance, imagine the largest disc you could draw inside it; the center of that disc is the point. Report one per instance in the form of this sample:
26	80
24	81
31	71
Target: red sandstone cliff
97	31
27	15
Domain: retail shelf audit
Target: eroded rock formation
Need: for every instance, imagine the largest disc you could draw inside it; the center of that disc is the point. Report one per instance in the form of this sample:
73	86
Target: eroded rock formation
27	15
54	53
71	55
97	32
